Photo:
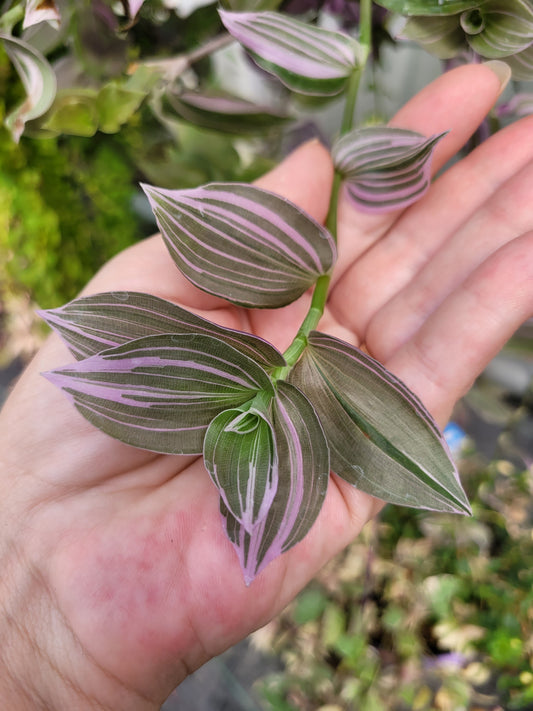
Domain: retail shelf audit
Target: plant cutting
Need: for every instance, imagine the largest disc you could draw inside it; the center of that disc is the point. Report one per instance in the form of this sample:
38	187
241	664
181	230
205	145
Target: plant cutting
270	425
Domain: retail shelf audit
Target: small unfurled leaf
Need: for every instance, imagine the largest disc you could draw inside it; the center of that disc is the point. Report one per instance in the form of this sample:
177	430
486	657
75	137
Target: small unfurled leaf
307	59
223	112
499	28
134	6
161	392
41	11
244	244
441	36
429	7
38	79
92	324
303	472
384	168
241	456
381	437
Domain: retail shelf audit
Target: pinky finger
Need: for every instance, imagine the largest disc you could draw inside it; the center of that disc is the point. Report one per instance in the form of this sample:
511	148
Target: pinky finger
443	358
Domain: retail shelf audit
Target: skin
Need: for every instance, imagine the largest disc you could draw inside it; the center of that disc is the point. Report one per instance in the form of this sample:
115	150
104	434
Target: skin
117	578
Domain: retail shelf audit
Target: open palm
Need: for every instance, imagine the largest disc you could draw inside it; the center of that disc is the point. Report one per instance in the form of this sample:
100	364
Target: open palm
118	577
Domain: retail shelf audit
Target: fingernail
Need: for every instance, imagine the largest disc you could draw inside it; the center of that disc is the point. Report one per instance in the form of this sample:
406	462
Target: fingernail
502	71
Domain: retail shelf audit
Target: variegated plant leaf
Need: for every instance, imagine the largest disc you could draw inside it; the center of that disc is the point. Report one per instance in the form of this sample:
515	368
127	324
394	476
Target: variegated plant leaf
95	323
307	59
161	392
429	7
499	28
241	456
522	65
384	168
381	437
38	79
244	244
41	11
223	112
441	36
303	461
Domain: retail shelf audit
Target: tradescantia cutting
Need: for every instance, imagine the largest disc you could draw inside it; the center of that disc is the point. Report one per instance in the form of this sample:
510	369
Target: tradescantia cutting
269	425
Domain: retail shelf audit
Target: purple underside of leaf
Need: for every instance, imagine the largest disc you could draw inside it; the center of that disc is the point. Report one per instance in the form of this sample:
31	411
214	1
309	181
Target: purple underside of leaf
161	392
292	45
92	324
303	457
385	168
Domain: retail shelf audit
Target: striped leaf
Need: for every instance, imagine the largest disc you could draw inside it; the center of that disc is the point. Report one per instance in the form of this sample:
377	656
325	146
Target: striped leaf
441	36
92	324
305	58
241	456
244	244
381	437
499	28
384	168
522	65
161	392
429	7
38	79
226	113
303	472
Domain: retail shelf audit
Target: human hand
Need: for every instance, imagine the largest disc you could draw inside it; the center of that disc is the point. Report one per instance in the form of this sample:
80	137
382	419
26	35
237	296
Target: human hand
118	579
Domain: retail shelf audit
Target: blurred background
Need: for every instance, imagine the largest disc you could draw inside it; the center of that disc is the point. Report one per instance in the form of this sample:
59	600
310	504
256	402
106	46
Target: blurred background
423	611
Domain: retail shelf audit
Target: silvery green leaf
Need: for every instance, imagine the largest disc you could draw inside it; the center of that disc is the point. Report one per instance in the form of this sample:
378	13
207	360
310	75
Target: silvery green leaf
161	392
307	59
241	456
441	36
246	245
381	437
226	113
95	323
384	168
38	79
303	473
522	65
499	28
429	7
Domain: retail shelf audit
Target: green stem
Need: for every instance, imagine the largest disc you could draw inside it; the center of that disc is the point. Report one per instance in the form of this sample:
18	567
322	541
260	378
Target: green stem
10	18
320	294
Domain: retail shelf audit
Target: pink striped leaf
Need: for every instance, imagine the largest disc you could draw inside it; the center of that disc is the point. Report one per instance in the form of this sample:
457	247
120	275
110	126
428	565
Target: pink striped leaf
307	59
429	7
244	244
241	456
95	323
303	473
384	168
381	437
161	392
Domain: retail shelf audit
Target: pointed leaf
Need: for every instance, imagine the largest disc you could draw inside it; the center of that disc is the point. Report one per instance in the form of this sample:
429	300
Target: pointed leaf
161	392
499	28
442	36
241	243
41	11
134	6
303	476
92	324
240	455
223	112
384	168
305	58
429	7
38	79
381	437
